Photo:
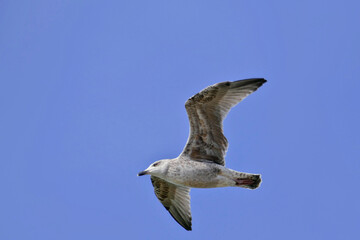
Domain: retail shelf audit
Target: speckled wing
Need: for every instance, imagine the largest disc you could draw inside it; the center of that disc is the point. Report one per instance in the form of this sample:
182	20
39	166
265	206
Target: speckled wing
176	199
206	111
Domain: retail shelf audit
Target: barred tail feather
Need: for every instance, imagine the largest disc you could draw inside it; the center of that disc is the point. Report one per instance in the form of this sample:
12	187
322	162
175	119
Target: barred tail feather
247	180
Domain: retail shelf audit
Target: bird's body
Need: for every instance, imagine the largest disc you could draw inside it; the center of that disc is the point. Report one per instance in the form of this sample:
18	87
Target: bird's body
195	174
201	174
202	162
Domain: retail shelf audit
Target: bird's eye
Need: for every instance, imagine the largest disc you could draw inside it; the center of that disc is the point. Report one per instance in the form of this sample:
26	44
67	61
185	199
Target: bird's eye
155	164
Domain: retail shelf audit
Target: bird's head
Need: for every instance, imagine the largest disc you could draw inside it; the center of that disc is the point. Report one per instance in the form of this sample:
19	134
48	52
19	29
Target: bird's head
157	168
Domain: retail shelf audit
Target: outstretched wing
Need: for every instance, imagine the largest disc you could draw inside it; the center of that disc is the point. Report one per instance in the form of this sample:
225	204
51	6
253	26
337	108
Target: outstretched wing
206	111
176	199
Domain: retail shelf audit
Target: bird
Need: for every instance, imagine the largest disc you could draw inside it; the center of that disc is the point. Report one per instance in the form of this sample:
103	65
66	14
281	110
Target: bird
201	164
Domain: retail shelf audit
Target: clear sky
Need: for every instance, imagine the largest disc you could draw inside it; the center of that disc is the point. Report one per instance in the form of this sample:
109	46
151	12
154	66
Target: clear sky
92	92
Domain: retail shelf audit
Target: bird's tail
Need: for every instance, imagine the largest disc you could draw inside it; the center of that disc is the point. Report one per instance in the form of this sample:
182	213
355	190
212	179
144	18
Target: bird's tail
247	180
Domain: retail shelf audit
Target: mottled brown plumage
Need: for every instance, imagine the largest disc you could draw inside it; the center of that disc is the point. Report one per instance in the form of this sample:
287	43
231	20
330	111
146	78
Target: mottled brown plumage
176	199
202	162
207	110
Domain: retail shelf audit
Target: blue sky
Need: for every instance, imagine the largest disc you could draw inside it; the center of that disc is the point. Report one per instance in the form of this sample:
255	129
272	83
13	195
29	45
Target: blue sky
92	92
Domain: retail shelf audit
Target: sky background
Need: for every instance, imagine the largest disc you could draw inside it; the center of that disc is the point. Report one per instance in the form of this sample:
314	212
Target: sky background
92	92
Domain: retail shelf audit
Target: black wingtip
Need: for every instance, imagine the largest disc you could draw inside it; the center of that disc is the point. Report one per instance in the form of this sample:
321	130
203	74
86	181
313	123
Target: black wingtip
258	82
187	227
185	224
253	80
262	80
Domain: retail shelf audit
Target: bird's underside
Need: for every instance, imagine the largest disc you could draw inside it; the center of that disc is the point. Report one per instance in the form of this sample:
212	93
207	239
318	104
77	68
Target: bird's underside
202	162
199	174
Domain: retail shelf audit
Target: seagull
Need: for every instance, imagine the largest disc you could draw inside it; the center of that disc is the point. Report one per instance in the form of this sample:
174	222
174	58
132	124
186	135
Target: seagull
202	162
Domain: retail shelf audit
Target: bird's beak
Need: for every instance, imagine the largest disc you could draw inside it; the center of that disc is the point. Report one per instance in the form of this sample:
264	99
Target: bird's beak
142	173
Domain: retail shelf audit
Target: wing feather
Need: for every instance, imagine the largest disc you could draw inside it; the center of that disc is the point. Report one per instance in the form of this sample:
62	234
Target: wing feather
176	199
206	111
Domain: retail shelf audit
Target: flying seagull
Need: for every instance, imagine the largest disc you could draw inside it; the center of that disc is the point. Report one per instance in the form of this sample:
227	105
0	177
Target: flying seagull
201	164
